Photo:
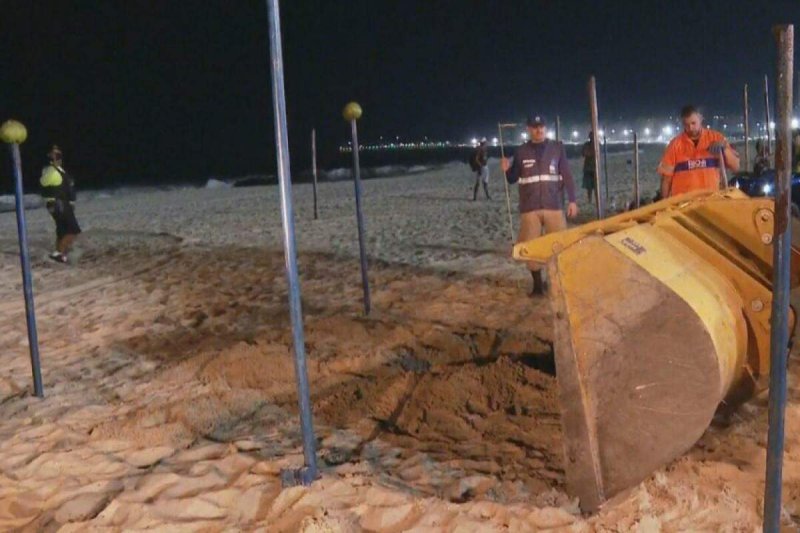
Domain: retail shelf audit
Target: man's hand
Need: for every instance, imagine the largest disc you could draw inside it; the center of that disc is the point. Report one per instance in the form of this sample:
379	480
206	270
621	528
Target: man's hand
572	210
505	164
717	147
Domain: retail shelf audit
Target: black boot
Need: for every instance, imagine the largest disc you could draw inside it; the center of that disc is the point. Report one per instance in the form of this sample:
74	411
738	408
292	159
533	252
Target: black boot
539	284
475	193
486	190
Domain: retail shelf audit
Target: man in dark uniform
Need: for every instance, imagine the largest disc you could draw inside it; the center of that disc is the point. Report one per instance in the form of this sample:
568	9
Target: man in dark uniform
481	167
541	168
58	191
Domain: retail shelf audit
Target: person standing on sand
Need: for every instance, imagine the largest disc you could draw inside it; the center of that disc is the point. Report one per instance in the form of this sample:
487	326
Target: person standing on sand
589	181
58	191
691	161
541	168
480	164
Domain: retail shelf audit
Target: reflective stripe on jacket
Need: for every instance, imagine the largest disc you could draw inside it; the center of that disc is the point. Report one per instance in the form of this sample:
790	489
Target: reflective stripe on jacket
543	173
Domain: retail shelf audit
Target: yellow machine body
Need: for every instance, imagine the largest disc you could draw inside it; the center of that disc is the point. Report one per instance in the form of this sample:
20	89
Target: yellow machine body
661	315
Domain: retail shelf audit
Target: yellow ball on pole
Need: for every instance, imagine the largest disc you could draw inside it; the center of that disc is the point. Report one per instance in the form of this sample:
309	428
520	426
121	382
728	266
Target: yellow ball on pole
352	111
13	132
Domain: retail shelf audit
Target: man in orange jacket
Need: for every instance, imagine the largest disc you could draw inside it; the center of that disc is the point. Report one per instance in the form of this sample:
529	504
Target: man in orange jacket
692	160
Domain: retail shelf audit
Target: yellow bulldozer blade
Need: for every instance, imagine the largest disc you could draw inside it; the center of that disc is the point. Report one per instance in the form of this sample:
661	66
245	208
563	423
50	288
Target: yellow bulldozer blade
661	315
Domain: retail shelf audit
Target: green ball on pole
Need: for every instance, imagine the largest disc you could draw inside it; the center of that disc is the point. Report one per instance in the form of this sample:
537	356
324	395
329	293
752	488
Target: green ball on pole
13	132
352	111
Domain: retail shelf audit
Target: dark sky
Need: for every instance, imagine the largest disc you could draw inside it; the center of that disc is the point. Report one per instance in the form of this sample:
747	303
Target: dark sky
180	89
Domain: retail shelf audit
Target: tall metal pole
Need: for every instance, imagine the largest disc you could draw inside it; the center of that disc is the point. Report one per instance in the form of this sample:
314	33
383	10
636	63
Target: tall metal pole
596	137
766	112
636	193
13	133
314	168
782	249
308	473
746	131
605	164
505	181
352	112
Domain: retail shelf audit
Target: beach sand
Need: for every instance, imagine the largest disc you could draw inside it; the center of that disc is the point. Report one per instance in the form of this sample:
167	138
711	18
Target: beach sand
170	394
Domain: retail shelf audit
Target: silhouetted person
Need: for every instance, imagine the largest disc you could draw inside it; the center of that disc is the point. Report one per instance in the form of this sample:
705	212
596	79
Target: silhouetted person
58	191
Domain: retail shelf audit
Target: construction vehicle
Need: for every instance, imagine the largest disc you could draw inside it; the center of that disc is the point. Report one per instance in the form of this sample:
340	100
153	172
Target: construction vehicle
662	315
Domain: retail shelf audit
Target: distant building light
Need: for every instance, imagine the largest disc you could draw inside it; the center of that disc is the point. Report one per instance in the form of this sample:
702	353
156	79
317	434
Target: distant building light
647	131
551	135
524	135
795	123
772	125
667	130
574	134
602	133
474	141
494	141
626	132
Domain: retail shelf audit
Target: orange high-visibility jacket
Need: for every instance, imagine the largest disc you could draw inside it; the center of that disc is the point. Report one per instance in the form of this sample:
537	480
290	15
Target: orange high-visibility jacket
692	167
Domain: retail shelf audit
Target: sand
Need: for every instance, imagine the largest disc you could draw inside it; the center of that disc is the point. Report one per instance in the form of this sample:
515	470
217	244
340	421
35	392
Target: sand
171	401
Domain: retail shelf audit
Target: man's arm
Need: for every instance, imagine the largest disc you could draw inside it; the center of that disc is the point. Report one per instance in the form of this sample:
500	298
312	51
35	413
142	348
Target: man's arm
512	169
731	158
569	182
666	186
566	175
667	168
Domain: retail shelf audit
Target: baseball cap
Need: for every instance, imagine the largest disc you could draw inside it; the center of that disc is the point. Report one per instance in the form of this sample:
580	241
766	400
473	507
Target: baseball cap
536	120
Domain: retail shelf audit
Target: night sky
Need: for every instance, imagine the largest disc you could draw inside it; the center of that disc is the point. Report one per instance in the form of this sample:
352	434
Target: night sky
180	90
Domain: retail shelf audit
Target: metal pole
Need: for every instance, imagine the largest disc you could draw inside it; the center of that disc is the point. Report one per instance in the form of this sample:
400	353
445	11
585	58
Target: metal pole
636	193
766	112
308	473
782	242
605	164
558	128
596	137
360	219
746	131
505	180
27	282
314	168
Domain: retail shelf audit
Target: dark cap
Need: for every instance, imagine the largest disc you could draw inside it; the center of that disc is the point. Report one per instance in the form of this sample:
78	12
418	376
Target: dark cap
536	120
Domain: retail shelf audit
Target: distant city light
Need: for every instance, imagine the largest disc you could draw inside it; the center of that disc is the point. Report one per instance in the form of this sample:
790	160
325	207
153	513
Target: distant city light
474	141
772	125
494	141
574	134
647	131
626	132
524	135
551	135
667	130
724	126
602	133
795	123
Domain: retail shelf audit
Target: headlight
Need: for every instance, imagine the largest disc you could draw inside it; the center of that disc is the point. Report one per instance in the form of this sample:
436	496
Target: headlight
766	188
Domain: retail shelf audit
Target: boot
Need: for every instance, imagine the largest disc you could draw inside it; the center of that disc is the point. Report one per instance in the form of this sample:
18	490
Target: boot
539	283
486	190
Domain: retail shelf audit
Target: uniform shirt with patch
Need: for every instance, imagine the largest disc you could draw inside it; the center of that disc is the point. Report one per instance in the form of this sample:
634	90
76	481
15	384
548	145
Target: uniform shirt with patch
692	166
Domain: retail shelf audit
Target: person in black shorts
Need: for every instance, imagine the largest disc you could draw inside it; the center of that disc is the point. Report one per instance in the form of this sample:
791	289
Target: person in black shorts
58	191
